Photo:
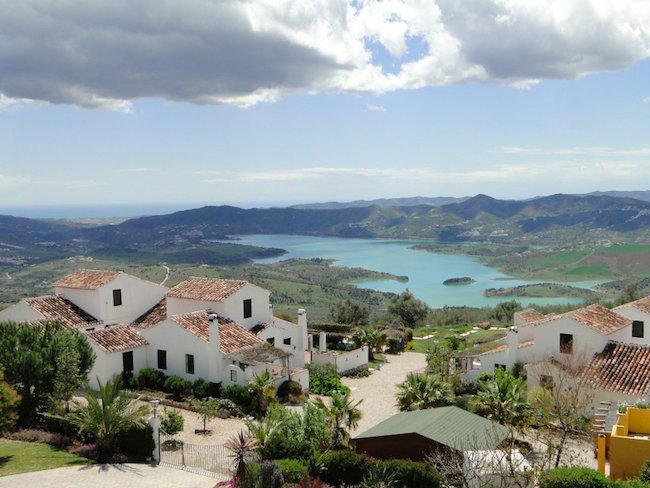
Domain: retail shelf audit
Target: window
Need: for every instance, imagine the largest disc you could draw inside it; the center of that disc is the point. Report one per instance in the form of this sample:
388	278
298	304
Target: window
127	361
233	375
162	359
248	308
287	341
271	340
566	343
189	363
502	367
546	381
637	328
117	298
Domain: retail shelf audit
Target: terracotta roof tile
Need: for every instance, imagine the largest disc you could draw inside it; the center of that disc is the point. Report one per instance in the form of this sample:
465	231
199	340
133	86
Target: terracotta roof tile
206	289
87	279
61	310
195	322
599	318
235	337
153	316
622	368
120	338
643	305
528	315
232	336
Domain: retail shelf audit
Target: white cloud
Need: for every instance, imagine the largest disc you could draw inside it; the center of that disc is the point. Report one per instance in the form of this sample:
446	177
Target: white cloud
646	100
590	151
98	54
11	182
375	108
136	170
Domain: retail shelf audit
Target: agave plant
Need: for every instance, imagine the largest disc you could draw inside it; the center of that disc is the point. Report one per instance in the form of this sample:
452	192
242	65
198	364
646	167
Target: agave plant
242	449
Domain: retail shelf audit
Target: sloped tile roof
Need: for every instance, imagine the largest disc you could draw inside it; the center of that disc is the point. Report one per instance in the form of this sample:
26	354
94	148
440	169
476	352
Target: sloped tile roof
232	336
600	318
643	305
622	368
153	316
235	337
86	279
120	338
528	315
197	323
61	310
206	289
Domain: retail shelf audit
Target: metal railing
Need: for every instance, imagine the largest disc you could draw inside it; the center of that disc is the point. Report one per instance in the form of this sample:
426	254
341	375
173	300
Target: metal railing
210	460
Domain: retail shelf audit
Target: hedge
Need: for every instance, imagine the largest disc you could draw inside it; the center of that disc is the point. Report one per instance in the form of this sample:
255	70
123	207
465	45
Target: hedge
577	477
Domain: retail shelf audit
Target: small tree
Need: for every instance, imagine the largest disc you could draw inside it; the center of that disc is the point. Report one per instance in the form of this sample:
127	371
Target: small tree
67	378
173	422
242	449
107	414
8	402
408	309
419	392
440	361
342	414
503	399
349	312
206	409
262	388
371	337
505	311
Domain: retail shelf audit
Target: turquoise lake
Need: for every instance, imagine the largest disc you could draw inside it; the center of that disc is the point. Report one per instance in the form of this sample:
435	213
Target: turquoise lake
426	270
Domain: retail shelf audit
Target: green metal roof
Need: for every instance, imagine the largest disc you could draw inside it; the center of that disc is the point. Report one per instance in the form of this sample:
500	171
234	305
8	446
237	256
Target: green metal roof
451	426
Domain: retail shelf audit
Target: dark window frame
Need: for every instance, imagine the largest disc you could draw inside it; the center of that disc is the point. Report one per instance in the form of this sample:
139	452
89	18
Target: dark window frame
233	375
287	341
117	297
566	343
162	359
127	360
637	329
189	364
248	308
271	340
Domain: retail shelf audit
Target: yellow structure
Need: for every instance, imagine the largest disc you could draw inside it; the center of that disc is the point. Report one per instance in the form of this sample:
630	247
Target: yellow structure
630	443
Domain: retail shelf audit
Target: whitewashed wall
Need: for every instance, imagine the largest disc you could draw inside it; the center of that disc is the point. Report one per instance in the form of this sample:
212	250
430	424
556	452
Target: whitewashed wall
625	335
108	365
87	300
20	312
178	342
342	361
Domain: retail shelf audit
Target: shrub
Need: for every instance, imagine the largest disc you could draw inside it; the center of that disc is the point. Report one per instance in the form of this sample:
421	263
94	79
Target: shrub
173	422
178	386
241	395
40	436
230	408
323	379
396	344
151	379
292	470
289	387
409	473
342	468
270	475
136	443
200	389
573	478
630	484
89	451
644	472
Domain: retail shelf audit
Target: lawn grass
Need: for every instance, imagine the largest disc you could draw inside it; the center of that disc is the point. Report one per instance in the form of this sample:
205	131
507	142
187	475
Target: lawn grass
626	248
23	457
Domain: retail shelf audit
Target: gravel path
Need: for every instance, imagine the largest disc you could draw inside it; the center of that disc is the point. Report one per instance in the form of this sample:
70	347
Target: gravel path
378	390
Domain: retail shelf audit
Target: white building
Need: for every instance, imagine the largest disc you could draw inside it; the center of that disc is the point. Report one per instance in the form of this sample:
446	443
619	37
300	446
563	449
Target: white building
220	330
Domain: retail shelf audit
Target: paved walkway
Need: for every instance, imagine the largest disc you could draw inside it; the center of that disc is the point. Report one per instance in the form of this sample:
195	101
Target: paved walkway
109	476
379	389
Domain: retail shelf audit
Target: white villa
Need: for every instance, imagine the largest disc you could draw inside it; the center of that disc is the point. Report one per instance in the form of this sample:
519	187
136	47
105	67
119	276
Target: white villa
223	331
610	348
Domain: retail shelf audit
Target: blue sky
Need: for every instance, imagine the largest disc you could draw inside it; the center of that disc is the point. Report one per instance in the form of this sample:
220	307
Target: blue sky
378	104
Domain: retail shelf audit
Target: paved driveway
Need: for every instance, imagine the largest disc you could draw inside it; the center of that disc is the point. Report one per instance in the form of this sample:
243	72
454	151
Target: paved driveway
109	476
378	390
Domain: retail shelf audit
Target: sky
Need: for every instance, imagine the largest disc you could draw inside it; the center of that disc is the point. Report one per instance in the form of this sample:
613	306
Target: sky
274	102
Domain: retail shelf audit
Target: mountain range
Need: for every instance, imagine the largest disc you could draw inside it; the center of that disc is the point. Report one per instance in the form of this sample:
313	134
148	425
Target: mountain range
567	219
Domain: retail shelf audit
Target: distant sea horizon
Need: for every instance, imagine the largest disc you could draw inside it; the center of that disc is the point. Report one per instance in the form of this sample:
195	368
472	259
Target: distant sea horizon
117	210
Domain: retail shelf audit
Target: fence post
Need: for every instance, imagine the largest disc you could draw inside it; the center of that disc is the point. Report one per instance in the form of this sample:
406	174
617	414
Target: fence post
154	423
183	454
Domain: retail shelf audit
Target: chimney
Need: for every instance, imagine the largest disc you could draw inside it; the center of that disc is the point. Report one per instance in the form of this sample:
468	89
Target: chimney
214	354
270	319
302	325
322	341
513	342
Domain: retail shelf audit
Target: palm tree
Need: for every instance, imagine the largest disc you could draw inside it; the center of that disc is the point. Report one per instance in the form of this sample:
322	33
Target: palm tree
504	399
262	386
107	414
242	449
418	392
342	414
371	337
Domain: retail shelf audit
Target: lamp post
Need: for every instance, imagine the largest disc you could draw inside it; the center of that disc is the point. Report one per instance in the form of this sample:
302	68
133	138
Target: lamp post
154	405
154	422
